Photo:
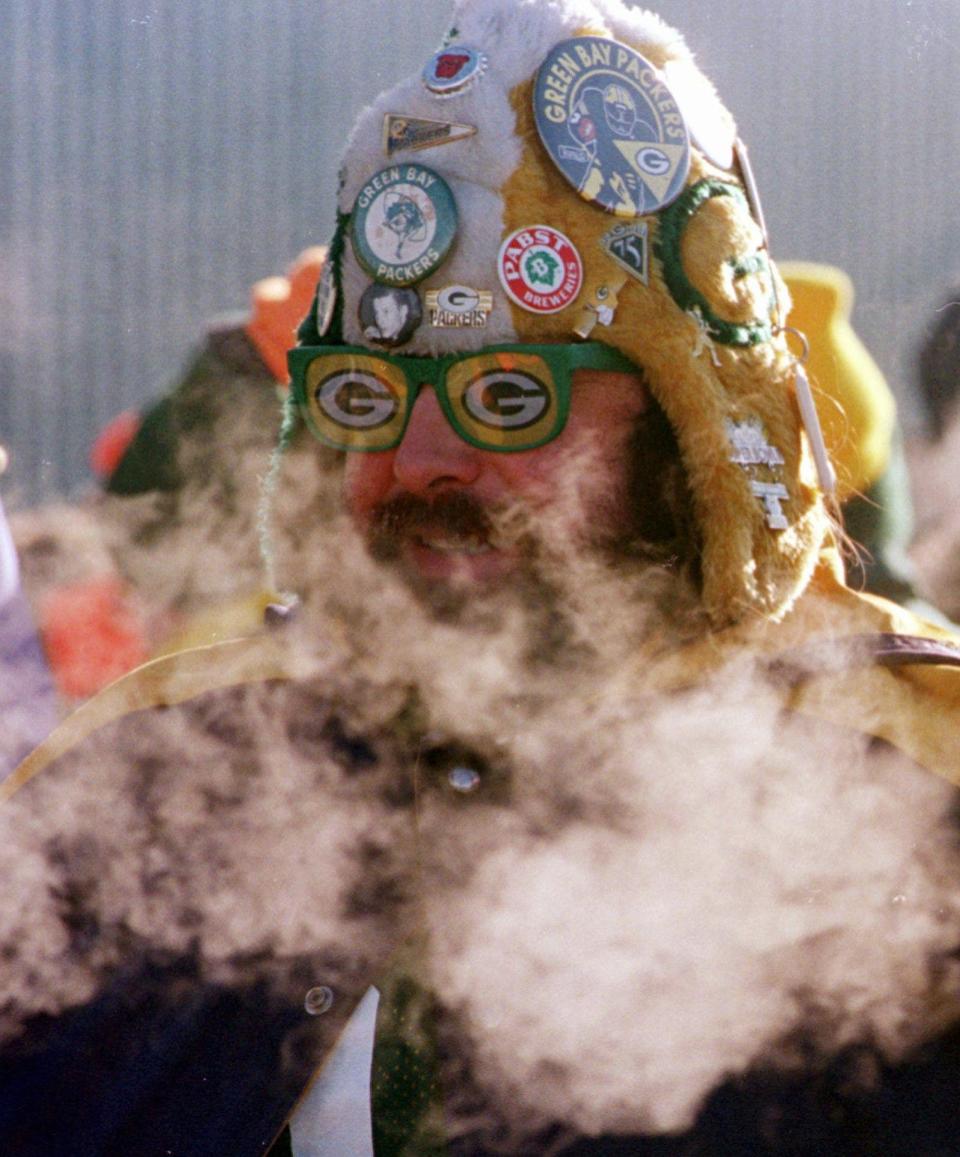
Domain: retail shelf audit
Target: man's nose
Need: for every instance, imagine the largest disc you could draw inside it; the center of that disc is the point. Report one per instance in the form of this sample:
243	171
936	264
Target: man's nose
432	455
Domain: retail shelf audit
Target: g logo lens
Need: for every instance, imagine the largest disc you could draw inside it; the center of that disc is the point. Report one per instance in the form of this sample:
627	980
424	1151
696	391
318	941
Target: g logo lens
506	400
358	401
355	401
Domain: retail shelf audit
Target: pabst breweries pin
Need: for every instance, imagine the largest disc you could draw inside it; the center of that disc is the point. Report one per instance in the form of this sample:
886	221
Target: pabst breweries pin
454	69
540	269
403	225
611	125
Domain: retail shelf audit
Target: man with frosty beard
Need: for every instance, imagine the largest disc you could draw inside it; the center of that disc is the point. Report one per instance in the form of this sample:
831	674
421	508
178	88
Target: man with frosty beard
580	808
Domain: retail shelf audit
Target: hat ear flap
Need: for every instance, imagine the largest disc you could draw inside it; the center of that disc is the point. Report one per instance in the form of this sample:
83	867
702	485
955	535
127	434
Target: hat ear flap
699	317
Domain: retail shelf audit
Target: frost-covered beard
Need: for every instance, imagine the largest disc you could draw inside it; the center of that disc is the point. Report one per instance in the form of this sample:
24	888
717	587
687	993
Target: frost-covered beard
557	583
452	517
557	603
596	535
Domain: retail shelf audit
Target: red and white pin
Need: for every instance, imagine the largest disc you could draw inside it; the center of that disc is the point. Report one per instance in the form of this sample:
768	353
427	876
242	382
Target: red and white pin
540	269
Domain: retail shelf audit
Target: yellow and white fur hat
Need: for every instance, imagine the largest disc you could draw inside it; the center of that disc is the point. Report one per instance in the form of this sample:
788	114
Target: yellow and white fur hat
585	125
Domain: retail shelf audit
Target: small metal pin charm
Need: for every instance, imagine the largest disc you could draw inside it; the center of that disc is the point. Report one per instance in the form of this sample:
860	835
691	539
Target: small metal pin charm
704	340
601	307
459	307
318	1000
772	494
750	446
414	133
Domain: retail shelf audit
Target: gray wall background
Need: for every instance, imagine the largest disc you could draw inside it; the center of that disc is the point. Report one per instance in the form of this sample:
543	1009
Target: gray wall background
161	155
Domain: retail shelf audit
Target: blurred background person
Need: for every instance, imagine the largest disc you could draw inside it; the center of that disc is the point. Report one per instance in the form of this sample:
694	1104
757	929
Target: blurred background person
27	699
933	459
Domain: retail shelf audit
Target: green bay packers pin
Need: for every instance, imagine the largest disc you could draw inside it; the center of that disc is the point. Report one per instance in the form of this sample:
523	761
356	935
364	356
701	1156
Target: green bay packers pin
403	225
611	125
459	307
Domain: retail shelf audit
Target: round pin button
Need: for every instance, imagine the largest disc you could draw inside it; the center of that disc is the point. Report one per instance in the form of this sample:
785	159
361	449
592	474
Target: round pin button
611	125
389	316
326	298
540	269
454	69
403	225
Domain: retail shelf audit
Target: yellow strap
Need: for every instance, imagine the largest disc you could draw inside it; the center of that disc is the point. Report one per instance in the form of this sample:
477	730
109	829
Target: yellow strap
162	682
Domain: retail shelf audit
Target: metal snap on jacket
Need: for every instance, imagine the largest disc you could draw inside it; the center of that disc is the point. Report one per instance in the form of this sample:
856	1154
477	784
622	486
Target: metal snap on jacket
318	1000
464	779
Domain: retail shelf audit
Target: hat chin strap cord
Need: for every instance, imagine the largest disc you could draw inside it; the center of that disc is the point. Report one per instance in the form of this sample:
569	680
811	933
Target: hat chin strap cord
808	410
811	423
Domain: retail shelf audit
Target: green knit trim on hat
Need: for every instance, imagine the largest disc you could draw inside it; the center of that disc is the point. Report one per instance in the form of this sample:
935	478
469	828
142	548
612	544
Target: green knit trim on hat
307	331
674	220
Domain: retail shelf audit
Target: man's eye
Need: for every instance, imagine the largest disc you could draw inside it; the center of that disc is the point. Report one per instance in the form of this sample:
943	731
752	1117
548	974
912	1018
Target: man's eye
360	401
507	400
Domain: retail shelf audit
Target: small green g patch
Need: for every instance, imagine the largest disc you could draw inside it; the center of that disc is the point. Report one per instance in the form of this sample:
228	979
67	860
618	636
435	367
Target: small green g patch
503	397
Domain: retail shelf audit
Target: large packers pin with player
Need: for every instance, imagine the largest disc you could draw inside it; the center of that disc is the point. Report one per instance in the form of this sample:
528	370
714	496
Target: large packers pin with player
403	225
611	125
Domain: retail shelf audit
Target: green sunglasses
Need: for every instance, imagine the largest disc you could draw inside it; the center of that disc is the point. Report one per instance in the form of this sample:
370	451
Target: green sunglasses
501	397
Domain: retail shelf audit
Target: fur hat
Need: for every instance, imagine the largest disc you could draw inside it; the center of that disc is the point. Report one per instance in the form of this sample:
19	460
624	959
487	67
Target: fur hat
694	300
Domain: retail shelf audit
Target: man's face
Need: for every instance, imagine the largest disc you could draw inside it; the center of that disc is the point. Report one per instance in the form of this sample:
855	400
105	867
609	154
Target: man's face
429	501
390	315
